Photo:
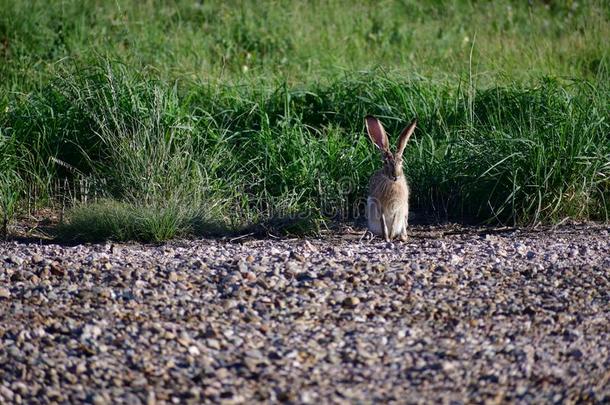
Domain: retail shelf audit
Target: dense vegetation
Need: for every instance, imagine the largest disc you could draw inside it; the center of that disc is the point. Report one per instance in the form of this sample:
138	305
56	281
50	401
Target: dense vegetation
186	117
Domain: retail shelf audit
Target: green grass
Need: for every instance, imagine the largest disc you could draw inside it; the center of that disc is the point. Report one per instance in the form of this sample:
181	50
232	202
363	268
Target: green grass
10	183
211	118
194	40
110	219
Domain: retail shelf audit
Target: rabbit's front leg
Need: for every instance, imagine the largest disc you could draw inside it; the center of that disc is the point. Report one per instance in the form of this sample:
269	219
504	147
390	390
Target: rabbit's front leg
403	235
392	228
384	228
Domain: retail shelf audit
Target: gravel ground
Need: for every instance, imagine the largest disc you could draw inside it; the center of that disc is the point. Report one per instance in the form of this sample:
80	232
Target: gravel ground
463	315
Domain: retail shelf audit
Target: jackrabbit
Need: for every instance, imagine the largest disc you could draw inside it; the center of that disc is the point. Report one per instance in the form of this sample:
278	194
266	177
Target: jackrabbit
387	207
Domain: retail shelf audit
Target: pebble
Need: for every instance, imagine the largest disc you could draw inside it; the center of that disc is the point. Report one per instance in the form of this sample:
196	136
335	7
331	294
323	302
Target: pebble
6	393
213	344
37	259
351	302
15	260
81	368
99	400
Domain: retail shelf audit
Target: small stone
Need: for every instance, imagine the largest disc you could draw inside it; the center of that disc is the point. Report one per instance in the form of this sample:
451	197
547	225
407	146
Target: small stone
56	269
80	368
210	391
53	393
339	296
351	302
306	397
194	393
213	344
173	276
194	351
5	292
15	259
521	249
222	373
99	400
91	332
242	266
6	393
37	259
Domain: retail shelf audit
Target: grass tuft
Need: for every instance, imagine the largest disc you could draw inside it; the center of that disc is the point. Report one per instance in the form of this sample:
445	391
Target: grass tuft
121	221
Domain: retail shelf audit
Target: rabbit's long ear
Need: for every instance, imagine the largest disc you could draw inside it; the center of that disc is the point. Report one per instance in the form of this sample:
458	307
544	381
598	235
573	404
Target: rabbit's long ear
404	138
377	133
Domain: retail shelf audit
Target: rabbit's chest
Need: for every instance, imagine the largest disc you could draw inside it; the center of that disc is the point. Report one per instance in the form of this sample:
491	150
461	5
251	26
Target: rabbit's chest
395	211
393	196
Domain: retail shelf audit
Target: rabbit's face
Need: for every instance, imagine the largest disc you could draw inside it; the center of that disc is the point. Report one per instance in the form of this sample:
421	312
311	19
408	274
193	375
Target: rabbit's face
392	167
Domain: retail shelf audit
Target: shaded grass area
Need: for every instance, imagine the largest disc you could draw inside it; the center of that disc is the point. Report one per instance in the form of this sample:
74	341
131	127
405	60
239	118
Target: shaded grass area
196	118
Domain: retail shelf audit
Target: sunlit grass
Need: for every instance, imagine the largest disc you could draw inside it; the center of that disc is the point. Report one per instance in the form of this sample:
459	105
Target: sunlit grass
301	41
